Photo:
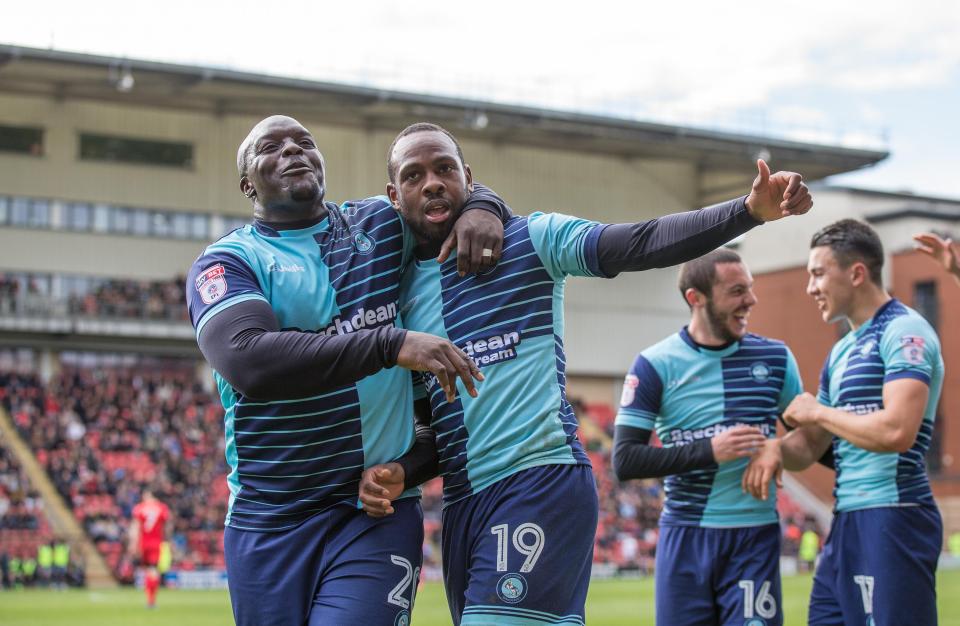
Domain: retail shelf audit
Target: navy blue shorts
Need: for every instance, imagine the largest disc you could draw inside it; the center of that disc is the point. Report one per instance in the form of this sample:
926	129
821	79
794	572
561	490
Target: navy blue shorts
878	568
718	576
520	551
338	567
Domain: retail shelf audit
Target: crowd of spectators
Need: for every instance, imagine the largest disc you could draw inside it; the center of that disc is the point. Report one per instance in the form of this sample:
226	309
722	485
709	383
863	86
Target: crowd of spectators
115	298
103	434
93	297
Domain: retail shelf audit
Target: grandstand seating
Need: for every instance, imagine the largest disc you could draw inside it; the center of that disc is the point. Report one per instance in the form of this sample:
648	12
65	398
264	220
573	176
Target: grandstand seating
104	433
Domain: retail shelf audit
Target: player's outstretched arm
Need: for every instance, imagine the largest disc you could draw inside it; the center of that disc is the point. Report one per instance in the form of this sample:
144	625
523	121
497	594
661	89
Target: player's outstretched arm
634	457
246	346
893	428
943	251
680	237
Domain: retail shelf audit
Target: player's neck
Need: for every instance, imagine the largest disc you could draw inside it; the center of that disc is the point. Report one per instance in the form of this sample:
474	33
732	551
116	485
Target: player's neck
866	303
702	335
283	214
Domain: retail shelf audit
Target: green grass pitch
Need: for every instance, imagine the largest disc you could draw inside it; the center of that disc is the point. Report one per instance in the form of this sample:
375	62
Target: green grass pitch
611	603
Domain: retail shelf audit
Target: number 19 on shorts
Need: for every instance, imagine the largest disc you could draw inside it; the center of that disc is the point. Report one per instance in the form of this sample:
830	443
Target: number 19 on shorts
528	540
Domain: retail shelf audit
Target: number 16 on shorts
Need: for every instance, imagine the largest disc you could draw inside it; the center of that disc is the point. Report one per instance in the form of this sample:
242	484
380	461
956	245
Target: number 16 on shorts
757	603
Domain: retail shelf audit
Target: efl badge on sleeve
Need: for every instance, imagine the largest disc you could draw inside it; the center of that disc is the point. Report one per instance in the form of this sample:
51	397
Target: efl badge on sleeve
212	284
630	384
912	347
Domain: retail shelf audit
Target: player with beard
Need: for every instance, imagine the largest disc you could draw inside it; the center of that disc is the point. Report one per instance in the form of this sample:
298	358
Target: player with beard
713	392
519	497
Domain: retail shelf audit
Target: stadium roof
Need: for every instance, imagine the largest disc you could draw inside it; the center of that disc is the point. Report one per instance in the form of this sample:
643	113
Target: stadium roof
70	75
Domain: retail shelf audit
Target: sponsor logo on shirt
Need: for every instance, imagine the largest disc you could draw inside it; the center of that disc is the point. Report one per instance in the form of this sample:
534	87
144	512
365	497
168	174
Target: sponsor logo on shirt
212	283
680	437
912	347
493	349
280	267
363	317
860	409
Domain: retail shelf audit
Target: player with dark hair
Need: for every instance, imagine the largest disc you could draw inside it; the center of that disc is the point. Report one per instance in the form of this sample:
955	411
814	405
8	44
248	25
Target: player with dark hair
150	523
713	393
520	501
297	314
876	404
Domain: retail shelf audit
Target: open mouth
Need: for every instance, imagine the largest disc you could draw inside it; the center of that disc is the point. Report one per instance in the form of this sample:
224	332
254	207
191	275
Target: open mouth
297	170
437	211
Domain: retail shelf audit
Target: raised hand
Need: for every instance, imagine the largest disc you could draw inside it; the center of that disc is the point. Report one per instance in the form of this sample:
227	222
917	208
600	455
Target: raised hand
428	353
478	238
380	485
737	442
774	196
940	250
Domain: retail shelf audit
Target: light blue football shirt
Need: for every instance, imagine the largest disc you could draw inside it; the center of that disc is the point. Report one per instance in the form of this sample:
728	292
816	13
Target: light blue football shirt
688	393
510	321
293	458
895	343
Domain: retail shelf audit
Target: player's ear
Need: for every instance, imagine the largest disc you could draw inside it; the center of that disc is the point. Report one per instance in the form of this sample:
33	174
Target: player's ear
469	175
693	297
394	195
246	187
859	274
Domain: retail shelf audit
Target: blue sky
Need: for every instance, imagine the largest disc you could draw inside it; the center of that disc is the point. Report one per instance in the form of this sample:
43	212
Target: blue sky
883	73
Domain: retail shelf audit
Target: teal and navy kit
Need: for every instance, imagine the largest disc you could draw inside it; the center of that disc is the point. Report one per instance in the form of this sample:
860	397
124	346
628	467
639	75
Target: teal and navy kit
689	393
718	555
520	501
879	561
307	411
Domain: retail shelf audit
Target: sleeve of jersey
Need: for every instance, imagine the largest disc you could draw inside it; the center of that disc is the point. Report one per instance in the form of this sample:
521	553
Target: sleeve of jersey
910	349
792	384
566	245
217	281
823	390
640	400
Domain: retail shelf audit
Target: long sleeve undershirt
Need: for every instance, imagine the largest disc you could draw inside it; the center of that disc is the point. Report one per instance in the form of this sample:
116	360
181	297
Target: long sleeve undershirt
421	463
634	457
671	239
245	345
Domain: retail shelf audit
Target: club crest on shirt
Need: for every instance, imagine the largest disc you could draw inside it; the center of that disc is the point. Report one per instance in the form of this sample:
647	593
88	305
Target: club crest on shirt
760	372
755	621
912	347
212	283
362	242
630	384
512	588
403	619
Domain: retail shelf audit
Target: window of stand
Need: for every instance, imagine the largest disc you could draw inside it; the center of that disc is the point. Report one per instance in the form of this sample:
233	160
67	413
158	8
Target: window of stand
26	140
95	147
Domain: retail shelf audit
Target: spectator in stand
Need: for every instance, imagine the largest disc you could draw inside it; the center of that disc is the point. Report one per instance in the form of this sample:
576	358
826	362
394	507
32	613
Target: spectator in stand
151	523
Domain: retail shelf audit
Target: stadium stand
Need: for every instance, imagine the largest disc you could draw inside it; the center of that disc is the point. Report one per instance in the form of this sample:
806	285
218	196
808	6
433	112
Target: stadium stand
103	433
105	426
